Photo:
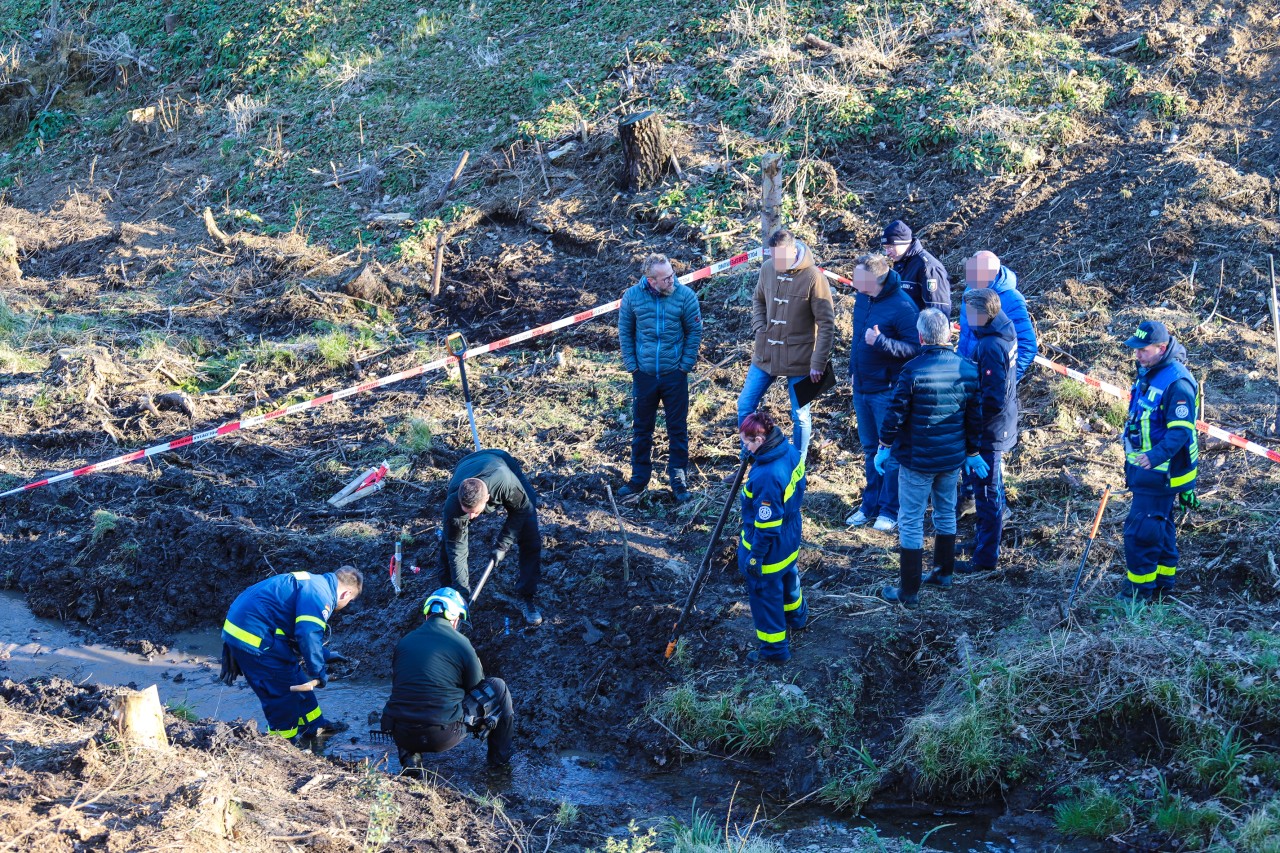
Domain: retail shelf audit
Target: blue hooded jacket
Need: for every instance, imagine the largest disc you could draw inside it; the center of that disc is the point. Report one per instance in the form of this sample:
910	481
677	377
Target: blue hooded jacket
659	334
771	500
292	609
1014	304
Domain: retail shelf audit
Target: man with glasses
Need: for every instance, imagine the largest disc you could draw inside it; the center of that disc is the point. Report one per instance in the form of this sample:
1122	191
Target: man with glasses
659	331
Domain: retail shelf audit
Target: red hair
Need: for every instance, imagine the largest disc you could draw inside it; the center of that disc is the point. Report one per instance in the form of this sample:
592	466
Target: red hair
757	424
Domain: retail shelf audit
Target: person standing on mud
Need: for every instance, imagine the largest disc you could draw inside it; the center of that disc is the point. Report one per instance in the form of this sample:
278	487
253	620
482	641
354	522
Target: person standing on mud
924	278
274	634
659	332
984	270
769	547
482	482
995	356
1161	459
932	427
884	339
437	682
793	319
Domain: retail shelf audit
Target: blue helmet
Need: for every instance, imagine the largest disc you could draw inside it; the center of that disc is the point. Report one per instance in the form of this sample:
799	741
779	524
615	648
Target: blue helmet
447	602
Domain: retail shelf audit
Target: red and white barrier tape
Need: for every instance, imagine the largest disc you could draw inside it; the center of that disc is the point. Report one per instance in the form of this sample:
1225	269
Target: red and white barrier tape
257	420
1123	394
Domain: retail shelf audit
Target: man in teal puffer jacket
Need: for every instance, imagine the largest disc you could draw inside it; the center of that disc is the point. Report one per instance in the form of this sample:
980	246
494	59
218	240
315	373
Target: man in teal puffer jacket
659	331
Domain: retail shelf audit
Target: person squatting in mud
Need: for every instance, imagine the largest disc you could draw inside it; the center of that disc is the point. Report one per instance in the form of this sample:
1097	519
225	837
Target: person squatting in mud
769	544
439	691
274	635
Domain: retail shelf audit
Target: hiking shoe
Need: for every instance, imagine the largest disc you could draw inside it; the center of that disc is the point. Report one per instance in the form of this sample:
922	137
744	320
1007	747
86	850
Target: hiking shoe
894	594
966	507
937	578
632	487
858	519
332	727
754	657
680	485
968	567
885	525
530	612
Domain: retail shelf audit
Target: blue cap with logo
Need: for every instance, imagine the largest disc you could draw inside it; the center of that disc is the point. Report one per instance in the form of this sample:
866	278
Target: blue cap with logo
1148	332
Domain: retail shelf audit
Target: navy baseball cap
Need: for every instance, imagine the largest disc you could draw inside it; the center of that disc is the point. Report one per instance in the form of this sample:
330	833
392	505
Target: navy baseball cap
1148	332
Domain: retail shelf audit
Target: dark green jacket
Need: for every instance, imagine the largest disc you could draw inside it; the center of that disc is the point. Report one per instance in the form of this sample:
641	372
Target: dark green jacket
433	668
508	489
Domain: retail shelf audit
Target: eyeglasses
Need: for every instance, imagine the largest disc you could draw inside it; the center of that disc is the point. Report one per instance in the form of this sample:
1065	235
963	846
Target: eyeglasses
662	279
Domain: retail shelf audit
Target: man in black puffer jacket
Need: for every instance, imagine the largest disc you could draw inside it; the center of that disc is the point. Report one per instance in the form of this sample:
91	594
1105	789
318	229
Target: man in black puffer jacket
933	427
884	339
924	278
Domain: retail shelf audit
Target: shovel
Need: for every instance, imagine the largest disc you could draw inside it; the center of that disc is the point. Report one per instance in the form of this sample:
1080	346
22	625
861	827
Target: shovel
1064	612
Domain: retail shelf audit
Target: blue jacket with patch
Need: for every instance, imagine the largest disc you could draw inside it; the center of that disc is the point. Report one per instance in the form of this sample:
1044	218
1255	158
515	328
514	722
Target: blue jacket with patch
1163	407
917	268
659	334
1014	304
875	367
771	500
291	609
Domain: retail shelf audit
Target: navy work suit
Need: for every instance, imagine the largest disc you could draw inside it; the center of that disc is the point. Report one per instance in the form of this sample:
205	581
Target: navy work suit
769	547
276	630
995	354
1163	407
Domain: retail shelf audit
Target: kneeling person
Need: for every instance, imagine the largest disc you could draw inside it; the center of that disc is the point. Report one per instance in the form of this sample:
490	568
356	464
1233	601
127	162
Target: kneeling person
437	681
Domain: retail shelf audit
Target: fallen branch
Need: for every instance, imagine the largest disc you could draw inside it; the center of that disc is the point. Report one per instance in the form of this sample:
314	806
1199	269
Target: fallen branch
626	546
215	232
457	172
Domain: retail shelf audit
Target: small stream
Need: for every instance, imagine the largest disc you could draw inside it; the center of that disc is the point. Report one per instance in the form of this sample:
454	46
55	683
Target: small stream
187	677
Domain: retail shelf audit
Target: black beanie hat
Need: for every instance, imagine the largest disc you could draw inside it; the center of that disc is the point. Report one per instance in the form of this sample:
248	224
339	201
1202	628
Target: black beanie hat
896	232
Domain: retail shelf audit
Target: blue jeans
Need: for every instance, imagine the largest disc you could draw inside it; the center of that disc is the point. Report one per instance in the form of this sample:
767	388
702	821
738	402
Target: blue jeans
881	494
989	499
915	489
671	390
753	391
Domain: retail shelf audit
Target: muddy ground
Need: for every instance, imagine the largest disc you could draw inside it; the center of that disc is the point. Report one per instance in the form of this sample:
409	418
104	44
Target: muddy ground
123	291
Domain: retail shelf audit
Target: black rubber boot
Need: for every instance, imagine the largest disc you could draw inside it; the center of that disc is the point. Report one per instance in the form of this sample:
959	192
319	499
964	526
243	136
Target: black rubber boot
944	555
911	564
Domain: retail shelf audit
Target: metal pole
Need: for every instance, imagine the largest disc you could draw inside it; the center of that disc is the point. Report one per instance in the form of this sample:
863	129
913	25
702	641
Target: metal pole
1093	533
466	395
484	577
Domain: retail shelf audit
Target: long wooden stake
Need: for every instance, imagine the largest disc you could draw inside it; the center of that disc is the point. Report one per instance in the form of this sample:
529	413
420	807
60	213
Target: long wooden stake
626	545
457	172
439	267
1275	324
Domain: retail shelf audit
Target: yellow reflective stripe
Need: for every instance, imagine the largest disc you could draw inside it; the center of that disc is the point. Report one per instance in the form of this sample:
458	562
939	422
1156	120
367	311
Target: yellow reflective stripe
241	634
285	733
302	576
748	492
311	716
745	543
795	605
314	619
1183	479
1166	571
280	631
777	523
1187	424
1148	578
770	568
765	636
795	481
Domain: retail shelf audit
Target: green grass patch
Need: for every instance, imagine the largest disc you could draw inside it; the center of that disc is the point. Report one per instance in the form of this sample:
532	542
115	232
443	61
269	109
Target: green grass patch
104	523
1091	812
1260	831
741	719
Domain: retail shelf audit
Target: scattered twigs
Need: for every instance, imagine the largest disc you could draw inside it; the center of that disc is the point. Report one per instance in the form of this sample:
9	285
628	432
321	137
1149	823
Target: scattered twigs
1222	275
626	546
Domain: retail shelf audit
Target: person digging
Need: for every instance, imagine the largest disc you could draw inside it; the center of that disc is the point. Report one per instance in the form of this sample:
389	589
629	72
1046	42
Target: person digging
482	482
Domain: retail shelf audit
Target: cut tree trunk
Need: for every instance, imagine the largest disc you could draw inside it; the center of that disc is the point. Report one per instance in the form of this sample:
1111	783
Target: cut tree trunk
771	203
645	155
139	719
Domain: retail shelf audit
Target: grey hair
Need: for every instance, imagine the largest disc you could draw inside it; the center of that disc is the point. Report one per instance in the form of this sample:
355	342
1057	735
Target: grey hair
934	327
652	261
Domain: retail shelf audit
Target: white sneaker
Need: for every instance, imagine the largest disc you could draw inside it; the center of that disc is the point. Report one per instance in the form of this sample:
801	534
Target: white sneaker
885	525
858	519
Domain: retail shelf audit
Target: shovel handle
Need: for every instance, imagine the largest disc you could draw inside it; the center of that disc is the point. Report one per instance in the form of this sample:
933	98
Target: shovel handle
1102	504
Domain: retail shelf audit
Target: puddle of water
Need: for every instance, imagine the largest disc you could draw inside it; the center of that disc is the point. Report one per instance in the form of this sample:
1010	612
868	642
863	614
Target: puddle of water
187	675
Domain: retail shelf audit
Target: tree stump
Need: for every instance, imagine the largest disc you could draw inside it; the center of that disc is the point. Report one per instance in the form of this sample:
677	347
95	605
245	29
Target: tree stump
139	719
645	155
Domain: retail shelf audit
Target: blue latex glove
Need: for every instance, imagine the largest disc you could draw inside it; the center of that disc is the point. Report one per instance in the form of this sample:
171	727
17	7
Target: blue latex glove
882	456
977	466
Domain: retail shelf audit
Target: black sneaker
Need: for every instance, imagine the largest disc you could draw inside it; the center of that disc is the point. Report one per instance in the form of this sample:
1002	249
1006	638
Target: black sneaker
680	486
530	612
966	507
332	727
754	657
938	579
632	487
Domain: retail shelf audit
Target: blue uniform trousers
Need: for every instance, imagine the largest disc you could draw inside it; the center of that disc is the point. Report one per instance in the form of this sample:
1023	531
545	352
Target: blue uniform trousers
989	501
1150	543
777	605
270	675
